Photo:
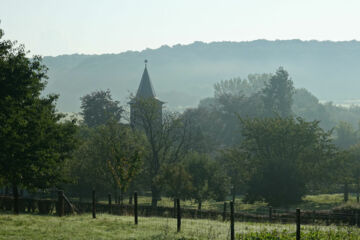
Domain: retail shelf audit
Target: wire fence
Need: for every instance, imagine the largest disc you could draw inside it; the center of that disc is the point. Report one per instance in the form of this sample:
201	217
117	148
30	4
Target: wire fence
214	222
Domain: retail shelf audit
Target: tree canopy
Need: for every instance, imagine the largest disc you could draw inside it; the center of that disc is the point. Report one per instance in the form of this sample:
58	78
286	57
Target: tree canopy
277	94
109	158
287	155
98	108
34	141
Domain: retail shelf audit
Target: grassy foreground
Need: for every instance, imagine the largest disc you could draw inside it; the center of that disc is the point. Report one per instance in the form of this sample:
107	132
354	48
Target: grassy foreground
122	227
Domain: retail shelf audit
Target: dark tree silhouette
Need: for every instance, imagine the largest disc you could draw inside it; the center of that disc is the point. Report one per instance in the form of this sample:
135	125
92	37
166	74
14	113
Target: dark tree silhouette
98	108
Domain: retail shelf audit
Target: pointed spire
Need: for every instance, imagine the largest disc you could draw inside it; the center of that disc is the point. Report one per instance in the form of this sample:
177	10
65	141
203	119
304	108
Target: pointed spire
145	89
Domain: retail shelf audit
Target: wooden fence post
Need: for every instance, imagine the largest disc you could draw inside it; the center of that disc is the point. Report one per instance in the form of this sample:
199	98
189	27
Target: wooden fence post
232	230
16	199
110	205
313	216
136	208
61	203
328	219
178	215
93	204
224	212
174	207
198	215
270	213
297	224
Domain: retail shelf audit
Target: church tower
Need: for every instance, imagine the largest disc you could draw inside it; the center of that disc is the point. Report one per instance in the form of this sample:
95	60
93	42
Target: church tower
145	98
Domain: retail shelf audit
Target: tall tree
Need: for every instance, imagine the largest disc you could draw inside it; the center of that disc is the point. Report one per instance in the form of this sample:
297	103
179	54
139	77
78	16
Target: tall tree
84	169
109	158
169	139
238	166
208	178
34	142
238	86
288	155
176	180
277	94
355	168
123	152
98	108
346	135
231	98
307	106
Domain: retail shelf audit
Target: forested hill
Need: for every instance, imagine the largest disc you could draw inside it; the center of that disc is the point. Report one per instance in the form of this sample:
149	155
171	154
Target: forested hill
184	74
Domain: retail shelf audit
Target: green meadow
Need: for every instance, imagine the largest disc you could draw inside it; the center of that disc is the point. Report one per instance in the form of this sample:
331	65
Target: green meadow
106	226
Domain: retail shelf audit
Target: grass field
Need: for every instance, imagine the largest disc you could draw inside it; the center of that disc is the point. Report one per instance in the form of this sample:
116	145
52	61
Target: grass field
121	227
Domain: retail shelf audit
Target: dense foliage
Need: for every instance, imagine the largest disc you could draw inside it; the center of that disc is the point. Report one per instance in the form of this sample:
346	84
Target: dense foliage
108	159
98	108
34	141
286	155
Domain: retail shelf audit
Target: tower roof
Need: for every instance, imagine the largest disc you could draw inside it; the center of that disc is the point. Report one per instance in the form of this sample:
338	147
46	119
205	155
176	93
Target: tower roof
145	89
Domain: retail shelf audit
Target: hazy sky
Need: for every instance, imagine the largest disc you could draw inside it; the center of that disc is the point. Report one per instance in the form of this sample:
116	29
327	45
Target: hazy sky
54	27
